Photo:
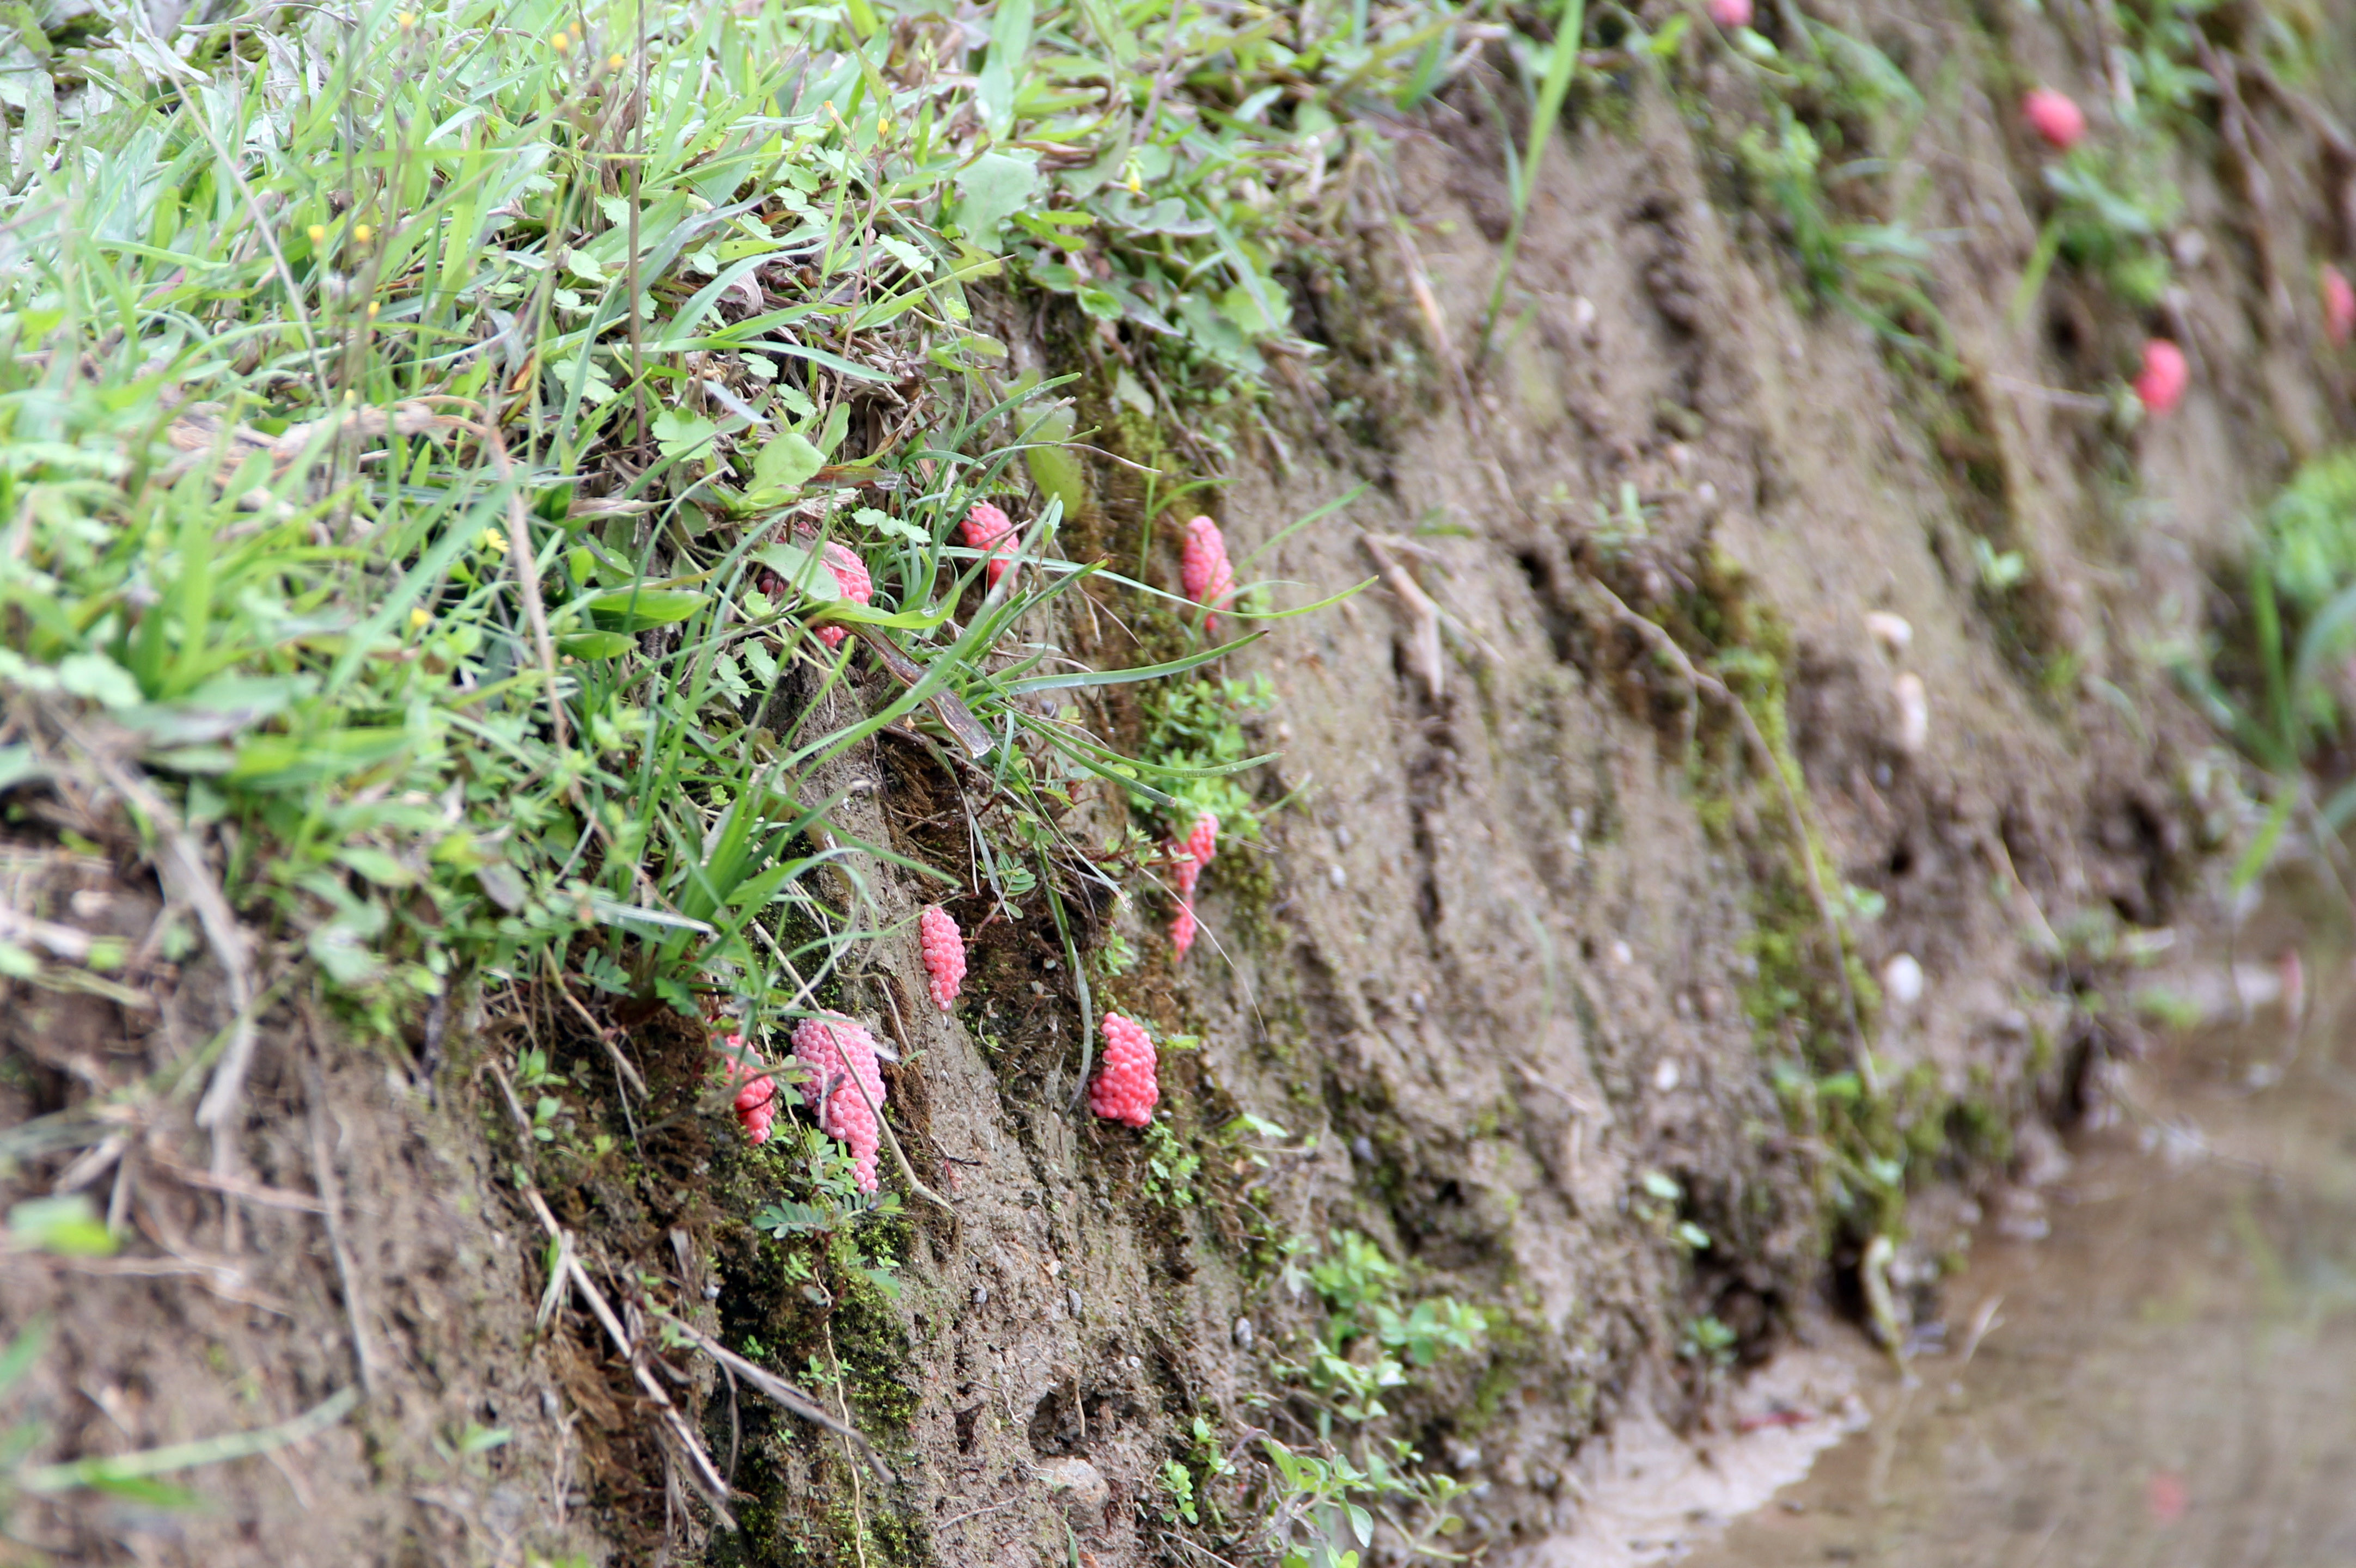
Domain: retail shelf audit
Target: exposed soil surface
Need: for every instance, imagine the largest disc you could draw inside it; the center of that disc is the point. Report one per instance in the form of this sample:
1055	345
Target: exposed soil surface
1511	945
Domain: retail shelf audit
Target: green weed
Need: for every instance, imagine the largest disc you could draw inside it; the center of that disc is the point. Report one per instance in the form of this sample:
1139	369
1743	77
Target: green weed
1194	735
2111	211
2284	713
1324	1503
1552	64
1875	272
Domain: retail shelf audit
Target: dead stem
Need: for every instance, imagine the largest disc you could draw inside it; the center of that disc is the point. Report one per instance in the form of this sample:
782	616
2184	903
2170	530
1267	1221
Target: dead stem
907	1044
527	569
1423	616
186	877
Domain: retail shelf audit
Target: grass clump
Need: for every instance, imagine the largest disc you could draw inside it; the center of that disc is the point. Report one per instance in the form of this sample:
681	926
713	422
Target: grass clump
424	456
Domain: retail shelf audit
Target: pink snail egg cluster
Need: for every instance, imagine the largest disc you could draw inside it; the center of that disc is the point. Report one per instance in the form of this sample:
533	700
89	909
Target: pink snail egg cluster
1203	568
2054	116
1125	1089
1191	854
851	576
848	1088
757	1096
944	947
989	530
2338	307
2165	376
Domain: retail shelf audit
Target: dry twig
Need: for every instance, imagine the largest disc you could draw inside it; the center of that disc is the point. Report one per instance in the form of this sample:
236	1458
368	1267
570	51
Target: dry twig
188	878
621	1063
1423	616
906	1170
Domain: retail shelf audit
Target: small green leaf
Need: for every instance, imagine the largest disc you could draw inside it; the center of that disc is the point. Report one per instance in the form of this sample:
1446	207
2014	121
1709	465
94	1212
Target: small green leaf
682	434
908	255
344	954
633	610
69	1226
801	569
501	886
890	527
593	644
377	866
787	462
98	678
482	1439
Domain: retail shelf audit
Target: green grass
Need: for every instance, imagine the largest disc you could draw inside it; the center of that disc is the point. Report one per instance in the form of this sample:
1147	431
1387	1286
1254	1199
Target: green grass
400	427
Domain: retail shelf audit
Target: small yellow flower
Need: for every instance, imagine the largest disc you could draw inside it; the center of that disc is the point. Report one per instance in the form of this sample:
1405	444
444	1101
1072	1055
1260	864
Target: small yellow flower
371	310
883	128
407	19
616	62
420	619
562	42
318	232
495	540
360	233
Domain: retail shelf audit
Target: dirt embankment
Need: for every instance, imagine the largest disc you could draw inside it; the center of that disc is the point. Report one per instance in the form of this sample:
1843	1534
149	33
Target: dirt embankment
1528	980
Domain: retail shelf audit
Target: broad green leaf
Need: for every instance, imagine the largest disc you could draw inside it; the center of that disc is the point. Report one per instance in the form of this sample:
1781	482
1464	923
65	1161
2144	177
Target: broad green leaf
682	434
1001	73
377	866
992	190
